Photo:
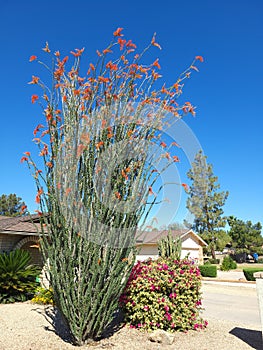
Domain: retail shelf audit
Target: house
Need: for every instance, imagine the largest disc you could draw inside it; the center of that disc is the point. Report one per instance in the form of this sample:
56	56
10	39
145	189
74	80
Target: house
192	244
21	233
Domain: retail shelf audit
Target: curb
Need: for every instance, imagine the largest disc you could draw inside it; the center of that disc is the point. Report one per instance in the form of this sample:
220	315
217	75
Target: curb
226	280
231	283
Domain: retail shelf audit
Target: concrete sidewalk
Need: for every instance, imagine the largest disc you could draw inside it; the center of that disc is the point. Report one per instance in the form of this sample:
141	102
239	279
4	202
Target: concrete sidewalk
232	275
230	278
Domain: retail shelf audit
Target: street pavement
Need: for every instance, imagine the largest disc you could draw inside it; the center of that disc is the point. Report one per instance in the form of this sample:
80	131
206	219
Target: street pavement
232	303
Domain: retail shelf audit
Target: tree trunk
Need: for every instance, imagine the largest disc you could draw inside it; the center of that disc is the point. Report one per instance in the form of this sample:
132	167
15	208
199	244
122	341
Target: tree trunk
213	252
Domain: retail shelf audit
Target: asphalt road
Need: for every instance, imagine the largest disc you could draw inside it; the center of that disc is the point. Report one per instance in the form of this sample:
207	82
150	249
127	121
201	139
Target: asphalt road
236	304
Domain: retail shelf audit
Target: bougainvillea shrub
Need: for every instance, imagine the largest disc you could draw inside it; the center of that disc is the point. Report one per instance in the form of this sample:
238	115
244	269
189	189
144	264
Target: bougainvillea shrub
163	294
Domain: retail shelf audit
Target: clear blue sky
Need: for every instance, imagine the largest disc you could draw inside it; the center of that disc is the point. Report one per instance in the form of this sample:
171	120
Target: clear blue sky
227	91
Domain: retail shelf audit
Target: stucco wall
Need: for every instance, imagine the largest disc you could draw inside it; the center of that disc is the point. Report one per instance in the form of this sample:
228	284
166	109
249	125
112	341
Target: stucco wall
193	253
149	250
190	243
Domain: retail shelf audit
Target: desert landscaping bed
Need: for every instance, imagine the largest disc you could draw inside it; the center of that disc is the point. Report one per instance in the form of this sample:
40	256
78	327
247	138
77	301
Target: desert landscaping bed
26	326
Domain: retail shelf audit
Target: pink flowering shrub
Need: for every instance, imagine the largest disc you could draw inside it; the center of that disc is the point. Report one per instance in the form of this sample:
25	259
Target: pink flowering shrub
164	294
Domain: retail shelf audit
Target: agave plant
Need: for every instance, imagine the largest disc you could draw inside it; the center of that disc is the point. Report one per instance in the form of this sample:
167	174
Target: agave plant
17	276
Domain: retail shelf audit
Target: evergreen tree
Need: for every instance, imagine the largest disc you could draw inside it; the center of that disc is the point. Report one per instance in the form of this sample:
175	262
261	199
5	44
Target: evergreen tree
10	205
245	236
177	226
205	202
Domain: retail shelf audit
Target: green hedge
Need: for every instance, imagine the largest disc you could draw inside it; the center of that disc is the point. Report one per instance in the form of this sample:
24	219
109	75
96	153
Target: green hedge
208	270
248	272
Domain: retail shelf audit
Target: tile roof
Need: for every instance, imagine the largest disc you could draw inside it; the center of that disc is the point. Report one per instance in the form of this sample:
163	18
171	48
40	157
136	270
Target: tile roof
19	224
152	237
155	236
24	224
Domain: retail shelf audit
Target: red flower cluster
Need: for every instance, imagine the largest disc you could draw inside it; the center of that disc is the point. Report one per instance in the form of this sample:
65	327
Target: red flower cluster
155	290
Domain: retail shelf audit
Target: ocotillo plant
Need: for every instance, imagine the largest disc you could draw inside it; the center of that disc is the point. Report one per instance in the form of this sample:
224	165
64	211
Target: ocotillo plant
170	246
98	172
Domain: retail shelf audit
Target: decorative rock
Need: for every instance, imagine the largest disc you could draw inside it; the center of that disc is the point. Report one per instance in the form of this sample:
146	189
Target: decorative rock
162	337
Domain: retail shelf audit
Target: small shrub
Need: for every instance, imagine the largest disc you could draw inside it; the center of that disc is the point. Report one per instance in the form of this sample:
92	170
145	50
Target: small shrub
248	272
17	277
228	264
43	296
208	270
163	294
260	261
214	261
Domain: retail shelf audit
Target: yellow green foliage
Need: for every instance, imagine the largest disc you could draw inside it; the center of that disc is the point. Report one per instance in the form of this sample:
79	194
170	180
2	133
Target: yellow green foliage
164	294
43	296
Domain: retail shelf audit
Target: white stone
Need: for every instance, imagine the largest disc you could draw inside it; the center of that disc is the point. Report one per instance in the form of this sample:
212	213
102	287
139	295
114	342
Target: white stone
162	337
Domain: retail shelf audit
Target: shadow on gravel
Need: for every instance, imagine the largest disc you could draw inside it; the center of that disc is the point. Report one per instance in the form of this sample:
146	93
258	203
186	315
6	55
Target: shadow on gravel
57	324
249	336
116	324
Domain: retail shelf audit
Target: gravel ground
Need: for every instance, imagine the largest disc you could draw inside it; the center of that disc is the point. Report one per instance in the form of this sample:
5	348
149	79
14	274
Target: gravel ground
25	326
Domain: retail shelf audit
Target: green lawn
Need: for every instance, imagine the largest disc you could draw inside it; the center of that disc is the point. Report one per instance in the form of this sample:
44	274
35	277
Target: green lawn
240	267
